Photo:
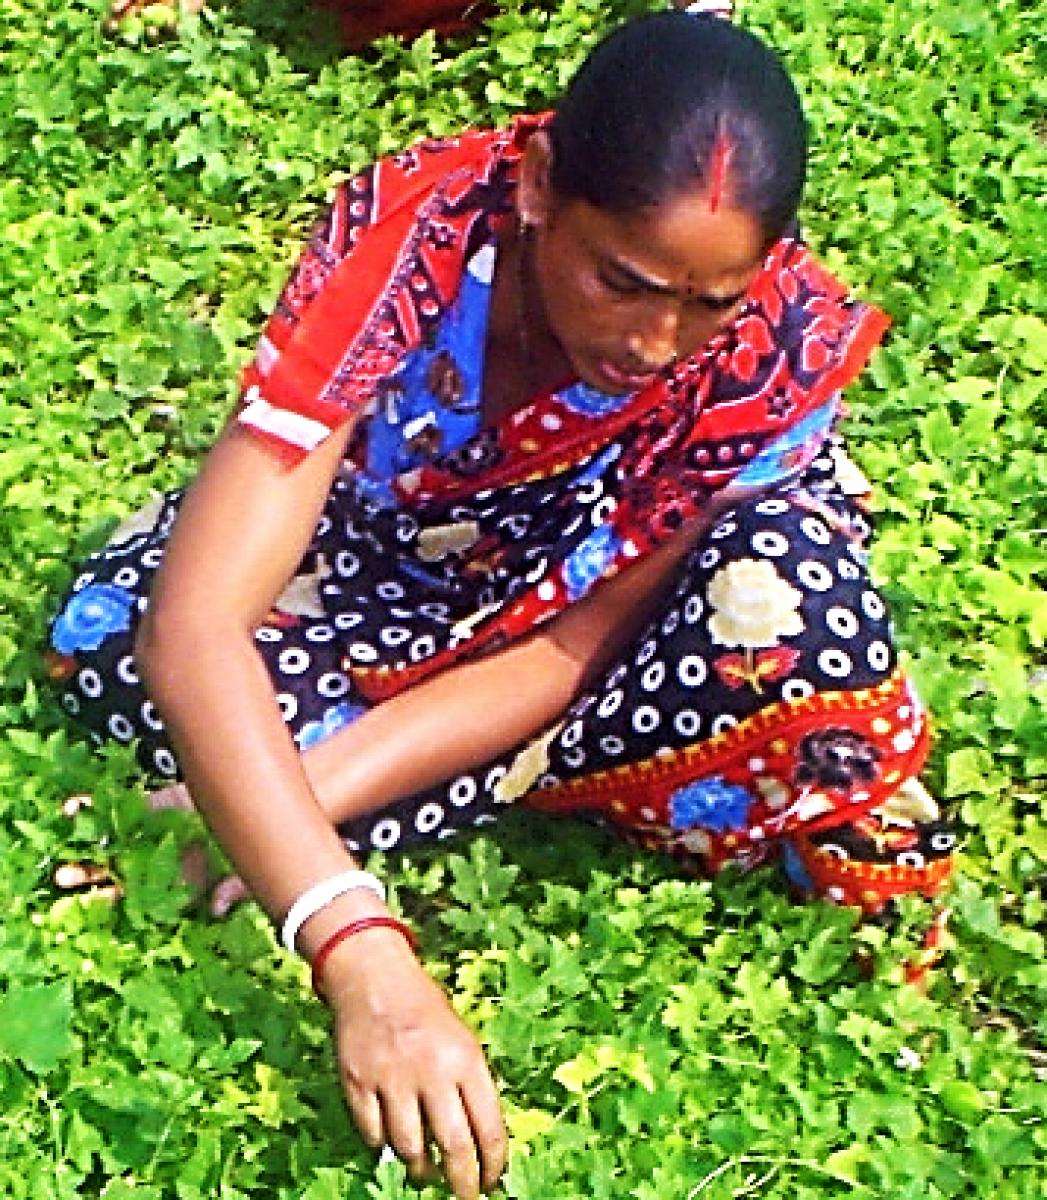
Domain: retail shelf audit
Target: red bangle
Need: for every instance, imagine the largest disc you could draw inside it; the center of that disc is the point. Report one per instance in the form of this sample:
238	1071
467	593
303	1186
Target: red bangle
347	931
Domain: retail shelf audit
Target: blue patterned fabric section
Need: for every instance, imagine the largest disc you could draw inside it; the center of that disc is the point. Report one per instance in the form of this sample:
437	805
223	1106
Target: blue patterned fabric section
793	452
432	404
581	398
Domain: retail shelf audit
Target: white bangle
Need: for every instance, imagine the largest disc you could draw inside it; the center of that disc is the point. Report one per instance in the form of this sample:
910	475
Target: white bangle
320	895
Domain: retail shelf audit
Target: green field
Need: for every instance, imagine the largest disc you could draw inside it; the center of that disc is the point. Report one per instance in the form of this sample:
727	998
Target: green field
656	1038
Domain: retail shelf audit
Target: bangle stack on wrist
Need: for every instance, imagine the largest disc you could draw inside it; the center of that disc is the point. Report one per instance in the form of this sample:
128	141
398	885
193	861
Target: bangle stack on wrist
311	901
723	9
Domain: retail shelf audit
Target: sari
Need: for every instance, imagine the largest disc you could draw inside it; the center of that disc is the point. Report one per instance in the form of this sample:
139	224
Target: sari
761	714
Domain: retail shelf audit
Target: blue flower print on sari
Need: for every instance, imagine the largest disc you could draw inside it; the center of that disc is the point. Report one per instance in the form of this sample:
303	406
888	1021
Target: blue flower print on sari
589	560
91	616
710	803
336	717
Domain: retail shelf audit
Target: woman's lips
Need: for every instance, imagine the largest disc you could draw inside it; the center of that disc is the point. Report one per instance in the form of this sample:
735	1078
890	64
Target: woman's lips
626	380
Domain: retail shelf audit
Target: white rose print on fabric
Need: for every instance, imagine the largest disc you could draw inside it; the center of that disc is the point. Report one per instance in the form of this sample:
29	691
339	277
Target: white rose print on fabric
753	609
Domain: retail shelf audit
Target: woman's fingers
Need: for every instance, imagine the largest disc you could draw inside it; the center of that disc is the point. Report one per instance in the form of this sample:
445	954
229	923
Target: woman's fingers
402	1120
175	795
453	1133
465	1120
367	1115
229	890
400	1041
425	1102
481	1103
226	894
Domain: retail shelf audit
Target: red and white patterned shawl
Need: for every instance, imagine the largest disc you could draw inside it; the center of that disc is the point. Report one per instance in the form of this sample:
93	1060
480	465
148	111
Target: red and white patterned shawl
382	269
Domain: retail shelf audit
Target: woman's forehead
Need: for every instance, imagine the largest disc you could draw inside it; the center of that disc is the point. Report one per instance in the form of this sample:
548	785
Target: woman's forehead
683	243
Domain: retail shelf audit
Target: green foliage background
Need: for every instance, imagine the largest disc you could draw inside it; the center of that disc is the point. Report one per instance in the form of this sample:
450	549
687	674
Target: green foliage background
656	1038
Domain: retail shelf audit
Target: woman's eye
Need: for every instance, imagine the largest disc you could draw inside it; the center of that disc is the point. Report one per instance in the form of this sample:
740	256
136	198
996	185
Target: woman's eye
620	287
717	304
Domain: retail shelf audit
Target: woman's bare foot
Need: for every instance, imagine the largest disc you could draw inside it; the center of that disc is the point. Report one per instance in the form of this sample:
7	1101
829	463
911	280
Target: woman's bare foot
224	892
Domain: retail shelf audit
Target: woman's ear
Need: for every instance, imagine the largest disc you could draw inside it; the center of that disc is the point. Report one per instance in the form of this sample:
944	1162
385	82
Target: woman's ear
535	199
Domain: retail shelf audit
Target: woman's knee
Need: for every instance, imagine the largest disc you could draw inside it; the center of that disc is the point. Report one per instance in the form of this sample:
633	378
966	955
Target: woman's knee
785	593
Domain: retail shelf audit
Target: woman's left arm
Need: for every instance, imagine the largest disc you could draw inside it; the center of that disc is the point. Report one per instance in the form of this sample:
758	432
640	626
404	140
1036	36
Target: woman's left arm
469	714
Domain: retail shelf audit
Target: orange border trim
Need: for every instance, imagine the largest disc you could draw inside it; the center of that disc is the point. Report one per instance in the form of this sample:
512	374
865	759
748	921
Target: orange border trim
682	766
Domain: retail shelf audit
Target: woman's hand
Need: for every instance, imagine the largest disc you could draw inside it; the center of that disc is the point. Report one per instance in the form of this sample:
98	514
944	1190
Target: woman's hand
412	1072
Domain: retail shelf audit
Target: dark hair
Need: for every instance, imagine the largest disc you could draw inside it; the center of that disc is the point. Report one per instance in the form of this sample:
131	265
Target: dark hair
660	99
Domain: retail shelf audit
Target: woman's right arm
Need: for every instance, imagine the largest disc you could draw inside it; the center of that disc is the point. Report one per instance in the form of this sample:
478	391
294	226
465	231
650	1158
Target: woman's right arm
411	1069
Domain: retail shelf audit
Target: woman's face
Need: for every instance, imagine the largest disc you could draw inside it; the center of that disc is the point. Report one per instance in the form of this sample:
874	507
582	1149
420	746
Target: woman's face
625	295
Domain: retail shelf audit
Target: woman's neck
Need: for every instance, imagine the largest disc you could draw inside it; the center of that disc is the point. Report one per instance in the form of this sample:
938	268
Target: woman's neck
522	357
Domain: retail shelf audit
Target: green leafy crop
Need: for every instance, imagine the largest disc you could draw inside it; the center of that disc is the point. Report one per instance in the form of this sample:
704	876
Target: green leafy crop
655	1037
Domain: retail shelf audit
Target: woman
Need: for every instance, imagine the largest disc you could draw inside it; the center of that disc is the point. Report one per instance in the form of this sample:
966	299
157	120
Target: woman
533	494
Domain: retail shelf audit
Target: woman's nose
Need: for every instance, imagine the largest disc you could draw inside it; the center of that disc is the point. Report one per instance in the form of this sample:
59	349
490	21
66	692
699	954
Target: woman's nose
655	344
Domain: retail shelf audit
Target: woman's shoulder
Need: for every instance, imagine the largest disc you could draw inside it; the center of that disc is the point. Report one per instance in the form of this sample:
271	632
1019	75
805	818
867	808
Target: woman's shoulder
379	271
457	163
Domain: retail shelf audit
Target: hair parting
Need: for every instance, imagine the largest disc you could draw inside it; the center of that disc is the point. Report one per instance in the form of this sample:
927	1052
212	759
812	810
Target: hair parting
723	151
